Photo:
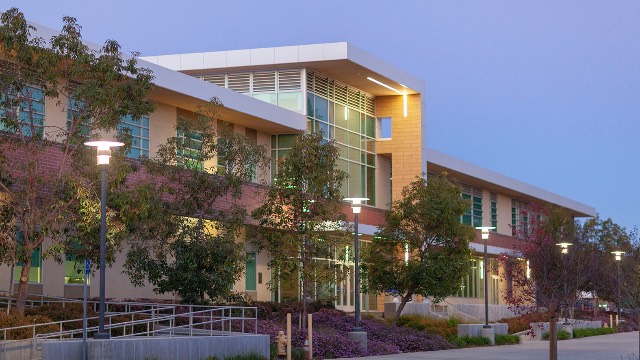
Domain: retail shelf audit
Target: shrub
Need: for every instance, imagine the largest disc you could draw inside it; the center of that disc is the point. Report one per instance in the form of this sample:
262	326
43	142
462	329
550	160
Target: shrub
14	320
507	339
445	328
71	311
580	333
330	329
251	356
523	322
562	335
470	341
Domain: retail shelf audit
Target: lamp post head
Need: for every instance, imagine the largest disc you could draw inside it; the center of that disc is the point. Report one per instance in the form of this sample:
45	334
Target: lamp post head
618	254
564	247
485	231
355	203
104	149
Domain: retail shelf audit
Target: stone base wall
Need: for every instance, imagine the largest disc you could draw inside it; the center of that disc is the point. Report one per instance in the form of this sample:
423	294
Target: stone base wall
161	348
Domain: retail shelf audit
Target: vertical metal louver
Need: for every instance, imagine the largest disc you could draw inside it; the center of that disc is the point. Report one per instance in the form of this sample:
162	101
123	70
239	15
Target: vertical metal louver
494	197
264	82
354	98
370	105
467	189
239	82
321	86
331	89
477	192
289	80
310	77
217	79
341	93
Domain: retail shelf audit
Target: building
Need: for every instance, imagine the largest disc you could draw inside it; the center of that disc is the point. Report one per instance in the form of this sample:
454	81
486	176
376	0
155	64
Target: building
374	111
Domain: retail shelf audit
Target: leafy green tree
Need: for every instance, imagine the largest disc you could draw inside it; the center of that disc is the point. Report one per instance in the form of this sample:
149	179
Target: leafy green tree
302	218
46	175
425	223
601	237
197	257
551	277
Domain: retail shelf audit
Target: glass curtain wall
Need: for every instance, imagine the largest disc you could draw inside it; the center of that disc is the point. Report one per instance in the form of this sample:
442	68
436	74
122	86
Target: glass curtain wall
346	115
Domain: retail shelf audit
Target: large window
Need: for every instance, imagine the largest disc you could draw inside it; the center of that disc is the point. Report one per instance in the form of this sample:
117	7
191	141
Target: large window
189	152
74	271
346	115
35	271
385	128
250	272
473	216
280	147
138	129
278	87
494	211
81	127
73	266
27	111
519	217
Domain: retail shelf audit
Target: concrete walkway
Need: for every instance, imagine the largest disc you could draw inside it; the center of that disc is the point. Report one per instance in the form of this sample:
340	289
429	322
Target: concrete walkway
622	346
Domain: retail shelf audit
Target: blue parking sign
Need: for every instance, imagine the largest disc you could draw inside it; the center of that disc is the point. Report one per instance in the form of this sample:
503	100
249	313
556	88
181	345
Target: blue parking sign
87	266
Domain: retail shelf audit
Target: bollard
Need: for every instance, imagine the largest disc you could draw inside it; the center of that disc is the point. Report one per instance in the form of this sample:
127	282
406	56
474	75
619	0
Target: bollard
310	335
288	336
281	345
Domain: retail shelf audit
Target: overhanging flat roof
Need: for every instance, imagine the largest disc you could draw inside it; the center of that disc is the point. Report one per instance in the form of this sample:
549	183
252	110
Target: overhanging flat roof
341	61
184	91
466	172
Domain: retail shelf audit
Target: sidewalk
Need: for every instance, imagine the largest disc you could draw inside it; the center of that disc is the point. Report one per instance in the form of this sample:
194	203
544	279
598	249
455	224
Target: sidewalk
622	346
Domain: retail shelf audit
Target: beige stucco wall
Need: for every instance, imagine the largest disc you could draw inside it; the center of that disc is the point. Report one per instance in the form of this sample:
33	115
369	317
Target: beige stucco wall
504	214
162	126
383	182
406	141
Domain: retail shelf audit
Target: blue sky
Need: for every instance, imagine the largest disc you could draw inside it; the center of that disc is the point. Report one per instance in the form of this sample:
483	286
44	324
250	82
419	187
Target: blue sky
544	91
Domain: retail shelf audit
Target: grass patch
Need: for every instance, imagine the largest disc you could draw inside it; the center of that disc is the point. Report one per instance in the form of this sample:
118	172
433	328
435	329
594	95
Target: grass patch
470	341
507	339
562	335
580	333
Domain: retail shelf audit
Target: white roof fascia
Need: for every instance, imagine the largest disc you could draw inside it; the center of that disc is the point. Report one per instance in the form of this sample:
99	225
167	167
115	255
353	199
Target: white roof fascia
359	56
494	250
287	55
447	161
188	85
202	90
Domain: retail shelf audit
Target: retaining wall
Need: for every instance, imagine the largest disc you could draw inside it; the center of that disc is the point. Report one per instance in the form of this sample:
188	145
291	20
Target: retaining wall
161	348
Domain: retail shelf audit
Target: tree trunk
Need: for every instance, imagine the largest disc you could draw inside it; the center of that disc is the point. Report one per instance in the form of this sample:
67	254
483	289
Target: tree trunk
305	284
21	296
405	300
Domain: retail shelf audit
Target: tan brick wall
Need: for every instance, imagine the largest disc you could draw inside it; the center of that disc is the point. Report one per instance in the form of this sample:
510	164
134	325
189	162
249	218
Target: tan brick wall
406	144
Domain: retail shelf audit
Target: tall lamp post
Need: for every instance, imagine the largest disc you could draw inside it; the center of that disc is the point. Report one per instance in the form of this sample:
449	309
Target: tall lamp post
357	332
618	255
485	237
103	156
564	250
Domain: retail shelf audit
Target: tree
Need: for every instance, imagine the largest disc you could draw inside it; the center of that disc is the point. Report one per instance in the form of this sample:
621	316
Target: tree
186	220
539	273
302	216
425	225
601	237
46	175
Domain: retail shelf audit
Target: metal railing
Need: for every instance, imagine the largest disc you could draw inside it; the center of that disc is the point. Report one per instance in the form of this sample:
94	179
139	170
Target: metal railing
151	319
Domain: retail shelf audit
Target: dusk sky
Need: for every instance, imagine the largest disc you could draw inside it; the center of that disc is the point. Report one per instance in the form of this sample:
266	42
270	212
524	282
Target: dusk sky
544	91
